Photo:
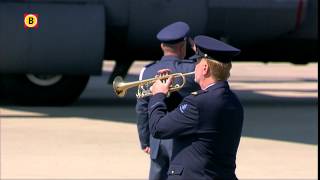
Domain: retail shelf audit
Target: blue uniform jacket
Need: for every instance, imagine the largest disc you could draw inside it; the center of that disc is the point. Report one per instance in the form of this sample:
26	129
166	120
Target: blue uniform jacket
175	65
206	129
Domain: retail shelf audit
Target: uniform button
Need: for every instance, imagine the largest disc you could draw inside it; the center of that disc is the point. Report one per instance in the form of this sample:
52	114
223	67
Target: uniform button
172	172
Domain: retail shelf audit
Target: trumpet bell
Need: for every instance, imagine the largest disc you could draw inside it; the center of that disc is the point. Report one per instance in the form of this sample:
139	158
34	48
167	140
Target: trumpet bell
118	91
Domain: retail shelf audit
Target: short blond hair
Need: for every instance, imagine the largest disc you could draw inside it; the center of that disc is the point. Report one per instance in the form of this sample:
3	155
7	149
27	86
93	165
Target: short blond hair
220	71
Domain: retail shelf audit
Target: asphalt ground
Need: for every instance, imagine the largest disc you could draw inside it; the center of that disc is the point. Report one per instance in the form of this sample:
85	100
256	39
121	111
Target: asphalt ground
96	138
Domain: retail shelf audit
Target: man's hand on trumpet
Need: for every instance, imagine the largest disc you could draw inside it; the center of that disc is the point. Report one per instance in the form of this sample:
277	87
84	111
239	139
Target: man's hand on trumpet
162	87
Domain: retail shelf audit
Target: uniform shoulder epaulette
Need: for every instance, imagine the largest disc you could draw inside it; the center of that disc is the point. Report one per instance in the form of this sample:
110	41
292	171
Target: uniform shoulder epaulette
186	61
148	65
196	93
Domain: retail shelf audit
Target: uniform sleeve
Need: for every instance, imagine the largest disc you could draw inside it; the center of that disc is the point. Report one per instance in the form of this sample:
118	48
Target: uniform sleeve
142	119
181	121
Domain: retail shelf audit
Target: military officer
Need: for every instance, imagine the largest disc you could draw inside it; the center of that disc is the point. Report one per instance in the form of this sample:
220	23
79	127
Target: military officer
206	127
173	44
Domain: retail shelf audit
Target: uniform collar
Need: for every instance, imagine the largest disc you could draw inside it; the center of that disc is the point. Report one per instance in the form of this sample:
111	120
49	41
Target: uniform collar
217	85
169	58
209	86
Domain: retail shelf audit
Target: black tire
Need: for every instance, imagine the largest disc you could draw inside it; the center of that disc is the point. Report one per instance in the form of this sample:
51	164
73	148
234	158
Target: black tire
20	90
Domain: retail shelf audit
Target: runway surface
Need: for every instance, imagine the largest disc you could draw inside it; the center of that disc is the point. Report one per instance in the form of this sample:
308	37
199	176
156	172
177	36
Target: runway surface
96	138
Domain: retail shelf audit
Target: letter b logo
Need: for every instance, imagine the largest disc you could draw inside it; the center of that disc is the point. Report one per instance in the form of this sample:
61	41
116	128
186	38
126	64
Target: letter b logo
31	20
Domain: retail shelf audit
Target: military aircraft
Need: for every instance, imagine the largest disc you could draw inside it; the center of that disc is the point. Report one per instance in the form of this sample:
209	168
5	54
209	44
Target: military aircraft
49	48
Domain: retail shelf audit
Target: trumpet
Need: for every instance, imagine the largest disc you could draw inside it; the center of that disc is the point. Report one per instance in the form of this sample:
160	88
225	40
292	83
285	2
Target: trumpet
120	87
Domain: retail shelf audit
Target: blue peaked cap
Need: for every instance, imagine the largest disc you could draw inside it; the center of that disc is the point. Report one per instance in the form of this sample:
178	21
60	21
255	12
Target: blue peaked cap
211	48
173	33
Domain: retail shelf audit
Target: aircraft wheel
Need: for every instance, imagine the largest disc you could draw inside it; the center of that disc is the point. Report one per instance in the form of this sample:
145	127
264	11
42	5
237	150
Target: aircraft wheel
51	90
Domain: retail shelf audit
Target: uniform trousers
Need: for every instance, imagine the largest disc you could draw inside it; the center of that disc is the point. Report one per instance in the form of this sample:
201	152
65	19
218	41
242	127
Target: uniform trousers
160	165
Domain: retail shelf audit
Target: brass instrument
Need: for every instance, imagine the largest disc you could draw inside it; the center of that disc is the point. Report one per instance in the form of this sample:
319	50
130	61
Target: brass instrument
120	87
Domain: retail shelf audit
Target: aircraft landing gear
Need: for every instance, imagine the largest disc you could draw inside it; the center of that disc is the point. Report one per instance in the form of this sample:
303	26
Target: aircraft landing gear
121	69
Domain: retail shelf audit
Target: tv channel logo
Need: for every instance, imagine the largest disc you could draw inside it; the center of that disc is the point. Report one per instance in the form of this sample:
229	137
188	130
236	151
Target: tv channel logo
31	21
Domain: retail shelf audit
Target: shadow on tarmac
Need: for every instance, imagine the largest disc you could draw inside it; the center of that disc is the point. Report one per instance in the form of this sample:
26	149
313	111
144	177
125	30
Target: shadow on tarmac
267	117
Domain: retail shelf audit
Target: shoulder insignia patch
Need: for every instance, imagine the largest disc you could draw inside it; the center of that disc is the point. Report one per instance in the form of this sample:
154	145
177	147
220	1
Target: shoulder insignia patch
183	107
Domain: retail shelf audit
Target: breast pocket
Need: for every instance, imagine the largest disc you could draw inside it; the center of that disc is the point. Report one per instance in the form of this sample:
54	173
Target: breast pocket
175	170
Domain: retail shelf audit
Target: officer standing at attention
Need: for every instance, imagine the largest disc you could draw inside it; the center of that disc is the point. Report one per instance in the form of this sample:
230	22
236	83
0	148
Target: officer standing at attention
173	44
206	127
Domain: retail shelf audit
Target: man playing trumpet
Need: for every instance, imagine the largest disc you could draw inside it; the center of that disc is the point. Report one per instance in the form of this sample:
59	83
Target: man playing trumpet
173	44
206	127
